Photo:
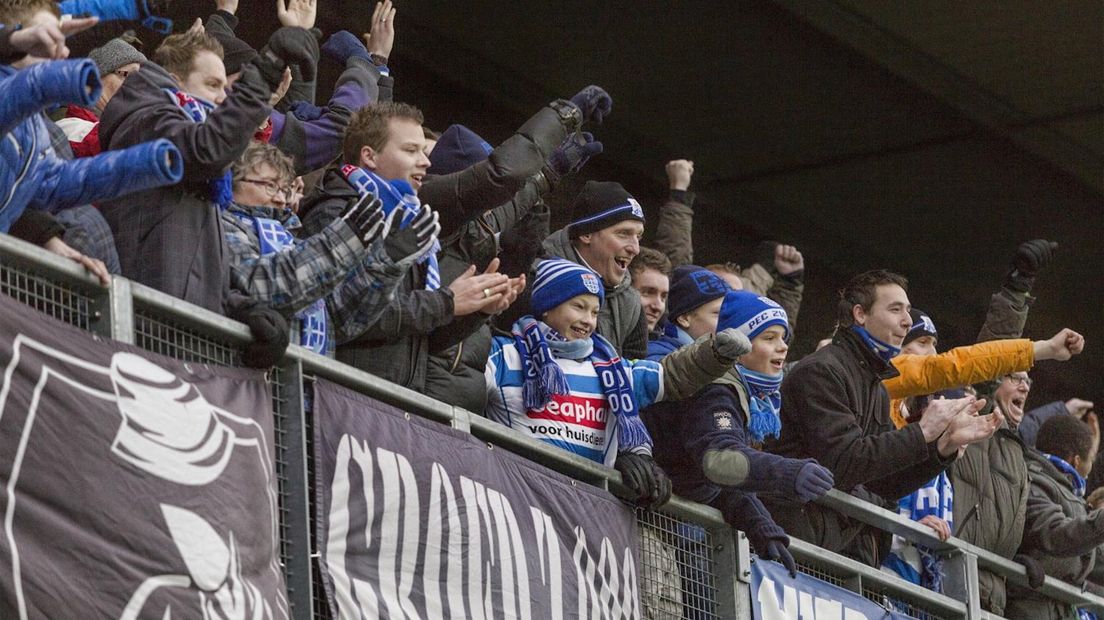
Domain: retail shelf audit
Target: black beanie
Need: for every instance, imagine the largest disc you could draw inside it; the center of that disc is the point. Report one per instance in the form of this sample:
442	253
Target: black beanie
600	205
457	149
235	52
692	287
922	325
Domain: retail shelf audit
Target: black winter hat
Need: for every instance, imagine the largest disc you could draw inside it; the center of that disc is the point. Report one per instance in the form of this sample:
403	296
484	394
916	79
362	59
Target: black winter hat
922	325
600	205
693	286
457	149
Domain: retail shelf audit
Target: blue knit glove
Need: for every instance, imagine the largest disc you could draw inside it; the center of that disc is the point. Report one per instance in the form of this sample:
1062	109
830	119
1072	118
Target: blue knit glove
574	152
776	550
343	45
123	10
594	102
306	111
812	481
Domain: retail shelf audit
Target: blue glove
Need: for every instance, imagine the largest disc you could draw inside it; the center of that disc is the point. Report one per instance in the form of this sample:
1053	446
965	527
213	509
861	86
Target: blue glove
305	111
776	550
343	45
812	481
594	102
122	10
574	152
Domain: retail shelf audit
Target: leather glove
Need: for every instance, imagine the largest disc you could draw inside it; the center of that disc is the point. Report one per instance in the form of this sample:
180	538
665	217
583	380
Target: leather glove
270	337
640	473
365	217
812	481
1035	572
290	46
1029	258
594	102
776	550
343	45
573	153
408	245
306	111
730	344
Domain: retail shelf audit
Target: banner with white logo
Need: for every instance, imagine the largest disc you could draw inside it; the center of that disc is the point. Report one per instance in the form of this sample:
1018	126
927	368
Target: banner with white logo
417	520
777	596
133	486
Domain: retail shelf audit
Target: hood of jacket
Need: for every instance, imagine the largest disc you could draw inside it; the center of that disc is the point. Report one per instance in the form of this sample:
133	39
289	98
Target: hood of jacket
139	95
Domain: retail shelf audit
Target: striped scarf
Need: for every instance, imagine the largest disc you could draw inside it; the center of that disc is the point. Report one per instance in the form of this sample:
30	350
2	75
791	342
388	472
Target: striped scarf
1075	477
883	350
544	378
396	195
220	190
764	401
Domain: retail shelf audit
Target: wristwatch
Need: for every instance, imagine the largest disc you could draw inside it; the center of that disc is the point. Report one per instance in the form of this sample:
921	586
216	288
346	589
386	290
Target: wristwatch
569	113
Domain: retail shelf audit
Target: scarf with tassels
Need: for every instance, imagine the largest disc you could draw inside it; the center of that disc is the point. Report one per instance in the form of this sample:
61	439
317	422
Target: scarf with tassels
220	190
538	347
764	402
883	350
1075	477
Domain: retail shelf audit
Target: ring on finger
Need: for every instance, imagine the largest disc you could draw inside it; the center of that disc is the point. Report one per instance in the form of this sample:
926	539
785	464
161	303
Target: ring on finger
486	293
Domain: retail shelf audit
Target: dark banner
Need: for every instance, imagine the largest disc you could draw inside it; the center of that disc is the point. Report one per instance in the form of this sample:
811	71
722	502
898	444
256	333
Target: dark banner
777	596
417	520
133	486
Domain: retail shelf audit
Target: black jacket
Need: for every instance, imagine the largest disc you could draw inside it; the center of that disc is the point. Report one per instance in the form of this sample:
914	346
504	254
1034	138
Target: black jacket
835	409
170	238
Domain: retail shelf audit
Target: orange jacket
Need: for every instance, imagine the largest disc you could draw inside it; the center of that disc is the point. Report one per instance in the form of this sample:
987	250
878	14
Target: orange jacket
927	374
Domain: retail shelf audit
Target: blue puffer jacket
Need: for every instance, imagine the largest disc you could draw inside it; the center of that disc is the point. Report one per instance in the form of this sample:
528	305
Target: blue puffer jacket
31	173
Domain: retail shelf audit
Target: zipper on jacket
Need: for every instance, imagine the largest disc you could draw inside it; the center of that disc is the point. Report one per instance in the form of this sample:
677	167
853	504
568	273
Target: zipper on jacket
26	167
975	511
456	360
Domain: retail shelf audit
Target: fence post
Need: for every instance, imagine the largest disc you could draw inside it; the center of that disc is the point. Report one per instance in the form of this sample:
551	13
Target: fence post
292	471
117	312
961	581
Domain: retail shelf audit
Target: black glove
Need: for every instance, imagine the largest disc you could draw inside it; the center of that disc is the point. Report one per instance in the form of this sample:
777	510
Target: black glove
408	245
288	46
594	102
270	337
364	215
640	473
1035	572
776	550
1029	258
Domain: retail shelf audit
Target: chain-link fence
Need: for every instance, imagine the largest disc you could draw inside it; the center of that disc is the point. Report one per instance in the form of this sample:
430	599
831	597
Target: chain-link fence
693	565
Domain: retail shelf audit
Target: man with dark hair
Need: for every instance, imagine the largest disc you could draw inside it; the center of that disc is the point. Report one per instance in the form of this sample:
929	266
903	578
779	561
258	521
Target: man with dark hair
1062	537
651	277
836	410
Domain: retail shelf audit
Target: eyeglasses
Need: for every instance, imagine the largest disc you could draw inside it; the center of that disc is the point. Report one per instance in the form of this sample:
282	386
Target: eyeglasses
272	188
123	73
1019	379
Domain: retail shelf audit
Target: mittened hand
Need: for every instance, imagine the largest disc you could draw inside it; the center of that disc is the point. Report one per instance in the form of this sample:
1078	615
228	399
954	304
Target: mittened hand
343	45
594	102
776	550
812	481
642	475
306	111
1033	255
270	338
731	343
1035	573
573	153
292	46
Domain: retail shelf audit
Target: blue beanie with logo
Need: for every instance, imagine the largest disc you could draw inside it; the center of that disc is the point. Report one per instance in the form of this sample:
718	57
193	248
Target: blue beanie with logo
693	286
559	280
458	149
751	314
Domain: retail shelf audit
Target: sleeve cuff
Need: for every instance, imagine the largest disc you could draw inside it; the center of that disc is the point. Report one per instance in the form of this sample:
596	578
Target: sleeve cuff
683	196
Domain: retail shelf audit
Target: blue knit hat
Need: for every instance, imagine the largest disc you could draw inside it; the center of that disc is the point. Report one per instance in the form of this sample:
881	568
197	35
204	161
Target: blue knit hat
559	280
751	314
922	325
693	286
459	148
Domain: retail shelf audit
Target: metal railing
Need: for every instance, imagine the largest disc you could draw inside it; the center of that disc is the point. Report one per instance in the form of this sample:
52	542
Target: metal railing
684	541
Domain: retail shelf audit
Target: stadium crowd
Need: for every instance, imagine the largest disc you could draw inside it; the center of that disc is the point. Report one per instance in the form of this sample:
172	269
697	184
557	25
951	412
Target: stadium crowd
208	170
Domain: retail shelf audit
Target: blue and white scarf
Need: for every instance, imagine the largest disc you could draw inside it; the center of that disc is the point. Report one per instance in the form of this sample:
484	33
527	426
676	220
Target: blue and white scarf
536	343
1075	477
313	320
221	189
764	402
935	498
396	194
883	350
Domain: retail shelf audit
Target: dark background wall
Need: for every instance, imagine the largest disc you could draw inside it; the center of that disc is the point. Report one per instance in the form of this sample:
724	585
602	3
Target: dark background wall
925	137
